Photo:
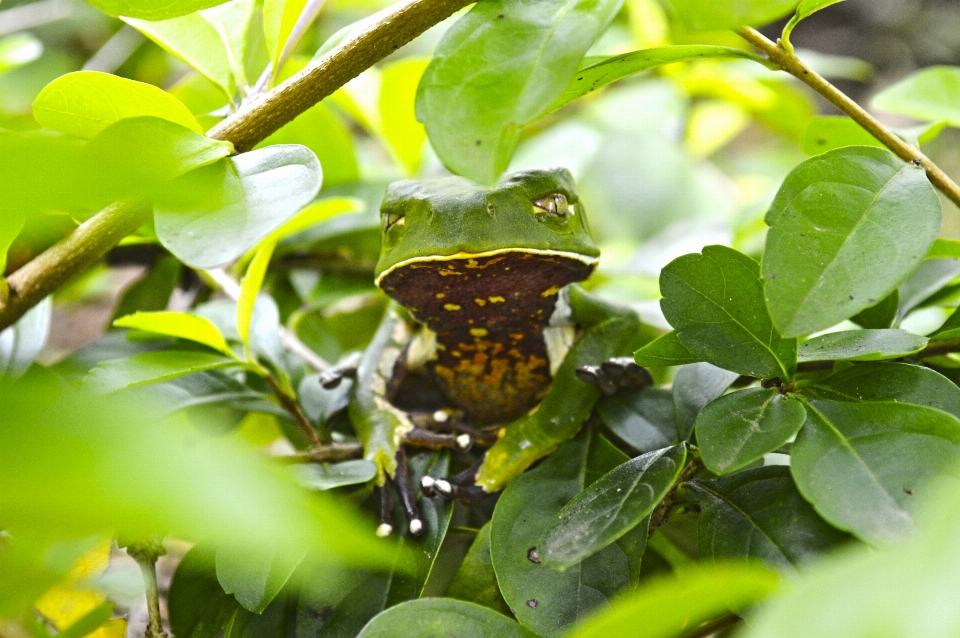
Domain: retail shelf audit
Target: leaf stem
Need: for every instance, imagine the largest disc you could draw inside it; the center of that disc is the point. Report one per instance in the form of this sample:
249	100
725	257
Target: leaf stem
289	403
146	554
792	64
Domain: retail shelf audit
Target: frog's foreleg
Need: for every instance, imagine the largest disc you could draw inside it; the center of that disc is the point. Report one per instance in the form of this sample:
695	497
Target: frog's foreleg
615	374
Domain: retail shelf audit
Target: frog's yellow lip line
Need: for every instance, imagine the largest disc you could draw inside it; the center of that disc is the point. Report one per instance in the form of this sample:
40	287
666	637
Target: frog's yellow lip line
586	259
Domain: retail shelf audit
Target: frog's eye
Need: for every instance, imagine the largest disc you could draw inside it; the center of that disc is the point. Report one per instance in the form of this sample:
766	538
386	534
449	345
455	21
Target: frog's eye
392	219
554	204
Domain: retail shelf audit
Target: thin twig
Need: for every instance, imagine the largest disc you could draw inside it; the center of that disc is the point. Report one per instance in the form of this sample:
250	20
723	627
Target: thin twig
790	63
290	404
146	554
326	453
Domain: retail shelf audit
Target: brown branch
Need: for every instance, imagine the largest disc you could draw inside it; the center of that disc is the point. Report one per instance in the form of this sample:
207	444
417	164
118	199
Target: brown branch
326	453
795	67
289	403
938	348
80	250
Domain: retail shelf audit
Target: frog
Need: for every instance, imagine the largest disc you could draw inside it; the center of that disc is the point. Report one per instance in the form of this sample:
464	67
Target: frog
488	340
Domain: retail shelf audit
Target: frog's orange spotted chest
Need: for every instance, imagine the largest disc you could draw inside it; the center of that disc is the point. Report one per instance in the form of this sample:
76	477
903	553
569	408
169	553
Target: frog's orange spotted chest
489	313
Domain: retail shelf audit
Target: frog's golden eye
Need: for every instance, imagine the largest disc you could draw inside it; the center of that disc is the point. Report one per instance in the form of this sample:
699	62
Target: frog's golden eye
554	204
392	219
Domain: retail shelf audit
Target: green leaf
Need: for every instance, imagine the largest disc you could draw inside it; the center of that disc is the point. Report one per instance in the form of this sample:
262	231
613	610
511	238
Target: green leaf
475	580
927	280
181	325
250	288
670	606
880	315
239	201
665	351
193	39
931	94
279	18
441	618
740	427
153	367
828	133
641	418
862	465
542	599
595	73
84	103
950	328
712	15
833	212
326	476
255	579
89	622
402	132
231	21
694	386
899	382
715	302
18	49
491	75
610	507
758	514
861	345
806	9
153	290
197	605
944	249
21	343
152	10
9	231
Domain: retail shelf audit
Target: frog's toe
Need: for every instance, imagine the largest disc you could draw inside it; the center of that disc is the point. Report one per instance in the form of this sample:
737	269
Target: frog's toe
461	487
421	437
408	499
615	374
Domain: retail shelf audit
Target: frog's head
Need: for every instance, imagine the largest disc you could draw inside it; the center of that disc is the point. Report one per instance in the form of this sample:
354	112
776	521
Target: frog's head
530	212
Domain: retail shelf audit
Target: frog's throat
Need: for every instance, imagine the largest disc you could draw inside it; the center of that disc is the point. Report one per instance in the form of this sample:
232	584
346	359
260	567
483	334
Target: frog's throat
586	259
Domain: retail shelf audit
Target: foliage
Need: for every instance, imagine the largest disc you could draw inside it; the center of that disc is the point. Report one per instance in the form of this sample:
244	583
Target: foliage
794	462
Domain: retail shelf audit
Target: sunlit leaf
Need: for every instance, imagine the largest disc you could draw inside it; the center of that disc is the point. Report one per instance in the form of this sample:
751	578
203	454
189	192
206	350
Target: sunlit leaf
279	18
714	15
153	367
250	287
832	132
401	130
182	325
931	94
152	10
18	49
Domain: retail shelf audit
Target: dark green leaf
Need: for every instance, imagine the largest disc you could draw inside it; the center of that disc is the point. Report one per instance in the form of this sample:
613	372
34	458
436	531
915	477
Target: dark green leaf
759	514
441	618
832	132
610	507
475	580
197	605
715	302
931	95
153	367
861	345
498	68
694	386
929	278
740	427
255	578
670	606
596	73
665	351
881	315
542	599
325	476
239	201
834	213
899	382
710	15
862	465
152	10
643	418
152	292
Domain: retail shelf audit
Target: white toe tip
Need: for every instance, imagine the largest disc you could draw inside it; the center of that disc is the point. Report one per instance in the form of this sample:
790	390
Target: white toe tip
384	530
416	526
440	416
427	482
443	486
464	441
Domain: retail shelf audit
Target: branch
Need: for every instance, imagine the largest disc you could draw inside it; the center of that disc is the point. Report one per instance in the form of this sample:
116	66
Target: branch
146	554
29	285
794	66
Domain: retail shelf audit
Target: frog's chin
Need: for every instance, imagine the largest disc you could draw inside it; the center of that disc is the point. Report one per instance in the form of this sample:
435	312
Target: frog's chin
589	260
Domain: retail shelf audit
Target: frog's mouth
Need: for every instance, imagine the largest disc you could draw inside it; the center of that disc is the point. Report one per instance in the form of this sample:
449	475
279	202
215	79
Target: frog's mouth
461	256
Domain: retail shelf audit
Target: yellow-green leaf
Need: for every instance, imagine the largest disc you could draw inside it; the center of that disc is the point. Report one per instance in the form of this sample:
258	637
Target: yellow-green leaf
178	324
250	288
402	132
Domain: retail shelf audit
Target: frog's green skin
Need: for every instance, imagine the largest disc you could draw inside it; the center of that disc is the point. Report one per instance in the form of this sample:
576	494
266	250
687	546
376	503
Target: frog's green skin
480	271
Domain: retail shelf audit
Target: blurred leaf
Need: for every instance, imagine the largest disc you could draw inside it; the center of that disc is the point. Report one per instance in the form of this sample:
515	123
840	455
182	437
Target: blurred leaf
900	382
759	514
475	580
314	214
715	302
491	75
153	367
9	230
18	49
255	579
21	343
880	315
610	507
862	345
595	72
96	623
231	21
84	103
665	351
239	201
806	9
401	130
440	618
326	476
832	132
542	599
152	10
671	605
250	288
182	325
813	262
715	15
153	290
862	464
193	39
944	249
642	418
928	279
279	18
740	427
931	95
694	386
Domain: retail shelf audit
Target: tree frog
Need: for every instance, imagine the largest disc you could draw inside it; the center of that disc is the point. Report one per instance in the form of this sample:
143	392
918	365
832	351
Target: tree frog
487	340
